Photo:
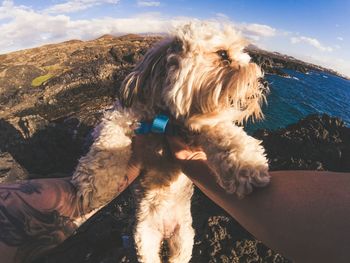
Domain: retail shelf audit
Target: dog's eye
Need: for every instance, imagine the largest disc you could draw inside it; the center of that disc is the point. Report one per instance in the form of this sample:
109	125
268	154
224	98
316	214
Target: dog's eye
223	55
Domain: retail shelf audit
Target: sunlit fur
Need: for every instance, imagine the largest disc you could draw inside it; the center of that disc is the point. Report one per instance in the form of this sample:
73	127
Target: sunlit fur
201	77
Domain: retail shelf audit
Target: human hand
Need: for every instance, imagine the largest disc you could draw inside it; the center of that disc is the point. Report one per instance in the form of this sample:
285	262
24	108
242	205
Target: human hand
185	155
135	163
182	152
179	149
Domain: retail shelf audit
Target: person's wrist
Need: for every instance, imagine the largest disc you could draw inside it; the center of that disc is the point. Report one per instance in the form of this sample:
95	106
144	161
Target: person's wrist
192	161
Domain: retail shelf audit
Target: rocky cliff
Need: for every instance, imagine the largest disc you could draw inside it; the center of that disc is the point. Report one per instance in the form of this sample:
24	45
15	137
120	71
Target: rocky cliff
275	63
50	99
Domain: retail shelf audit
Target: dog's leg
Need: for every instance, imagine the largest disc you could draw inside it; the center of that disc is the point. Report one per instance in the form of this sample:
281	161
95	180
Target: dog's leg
148	242
237	158
100	175
181	243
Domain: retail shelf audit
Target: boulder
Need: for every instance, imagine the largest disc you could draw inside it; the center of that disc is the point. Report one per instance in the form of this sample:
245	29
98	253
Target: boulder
10	170
317	142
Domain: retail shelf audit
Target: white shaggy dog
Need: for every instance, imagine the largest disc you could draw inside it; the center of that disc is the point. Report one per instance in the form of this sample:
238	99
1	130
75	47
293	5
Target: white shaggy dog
202	79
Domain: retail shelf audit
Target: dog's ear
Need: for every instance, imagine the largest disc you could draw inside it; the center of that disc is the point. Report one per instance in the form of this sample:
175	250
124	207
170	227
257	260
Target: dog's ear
145	82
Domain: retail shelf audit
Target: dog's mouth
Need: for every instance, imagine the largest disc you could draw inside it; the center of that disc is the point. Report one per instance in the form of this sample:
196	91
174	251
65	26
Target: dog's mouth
256	97
248	106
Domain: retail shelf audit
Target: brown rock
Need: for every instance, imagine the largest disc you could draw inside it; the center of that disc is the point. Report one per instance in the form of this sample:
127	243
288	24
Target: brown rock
10	170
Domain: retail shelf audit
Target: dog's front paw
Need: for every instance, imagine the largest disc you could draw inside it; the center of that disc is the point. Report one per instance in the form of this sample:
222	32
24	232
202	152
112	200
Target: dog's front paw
240	180
237	175
238	159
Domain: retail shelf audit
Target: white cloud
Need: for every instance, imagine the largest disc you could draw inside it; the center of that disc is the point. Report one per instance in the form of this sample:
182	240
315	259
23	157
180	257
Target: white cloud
145	3
258	30
76	5
310	41
222	16
339	64
27	28
255	32
340	38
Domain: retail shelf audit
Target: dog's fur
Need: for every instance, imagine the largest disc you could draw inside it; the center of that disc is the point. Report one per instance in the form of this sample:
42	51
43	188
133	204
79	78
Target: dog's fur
203	79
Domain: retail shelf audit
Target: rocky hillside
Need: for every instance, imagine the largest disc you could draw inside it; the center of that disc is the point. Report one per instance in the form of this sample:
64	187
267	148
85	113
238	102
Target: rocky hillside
45	78
62	89
274	63
50	99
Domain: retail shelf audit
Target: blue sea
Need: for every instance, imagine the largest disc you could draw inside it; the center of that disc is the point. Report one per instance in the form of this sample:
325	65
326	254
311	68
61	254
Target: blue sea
291	99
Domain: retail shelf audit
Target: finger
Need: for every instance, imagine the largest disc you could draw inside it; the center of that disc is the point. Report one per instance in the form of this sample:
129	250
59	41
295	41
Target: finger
182	151
133	170
199	155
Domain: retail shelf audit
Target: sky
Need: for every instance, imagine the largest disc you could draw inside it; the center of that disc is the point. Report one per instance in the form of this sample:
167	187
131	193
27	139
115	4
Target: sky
316	31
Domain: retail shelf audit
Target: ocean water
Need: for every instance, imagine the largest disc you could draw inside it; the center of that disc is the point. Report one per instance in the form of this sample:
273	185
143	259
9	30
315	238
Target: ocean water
291	99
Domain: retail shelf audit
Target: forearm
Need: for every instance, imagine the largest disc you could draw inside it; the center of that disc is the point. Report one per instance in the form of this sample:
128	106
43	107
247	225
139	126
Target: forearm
304	215
36	215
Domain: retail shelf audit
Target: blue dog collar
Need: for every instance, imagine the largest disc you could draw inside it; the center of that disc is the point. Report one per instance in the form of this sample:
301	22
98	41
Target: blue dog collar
145	127
158	125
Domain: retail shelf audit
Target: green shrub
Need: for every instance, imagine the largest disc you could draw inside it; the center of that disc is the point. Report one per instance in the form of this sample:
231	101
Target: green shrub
41	79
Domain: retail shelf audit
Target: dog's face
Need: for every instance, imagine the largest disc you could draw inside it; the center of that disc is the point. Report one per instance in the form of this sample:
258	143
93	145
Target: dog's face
201	75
